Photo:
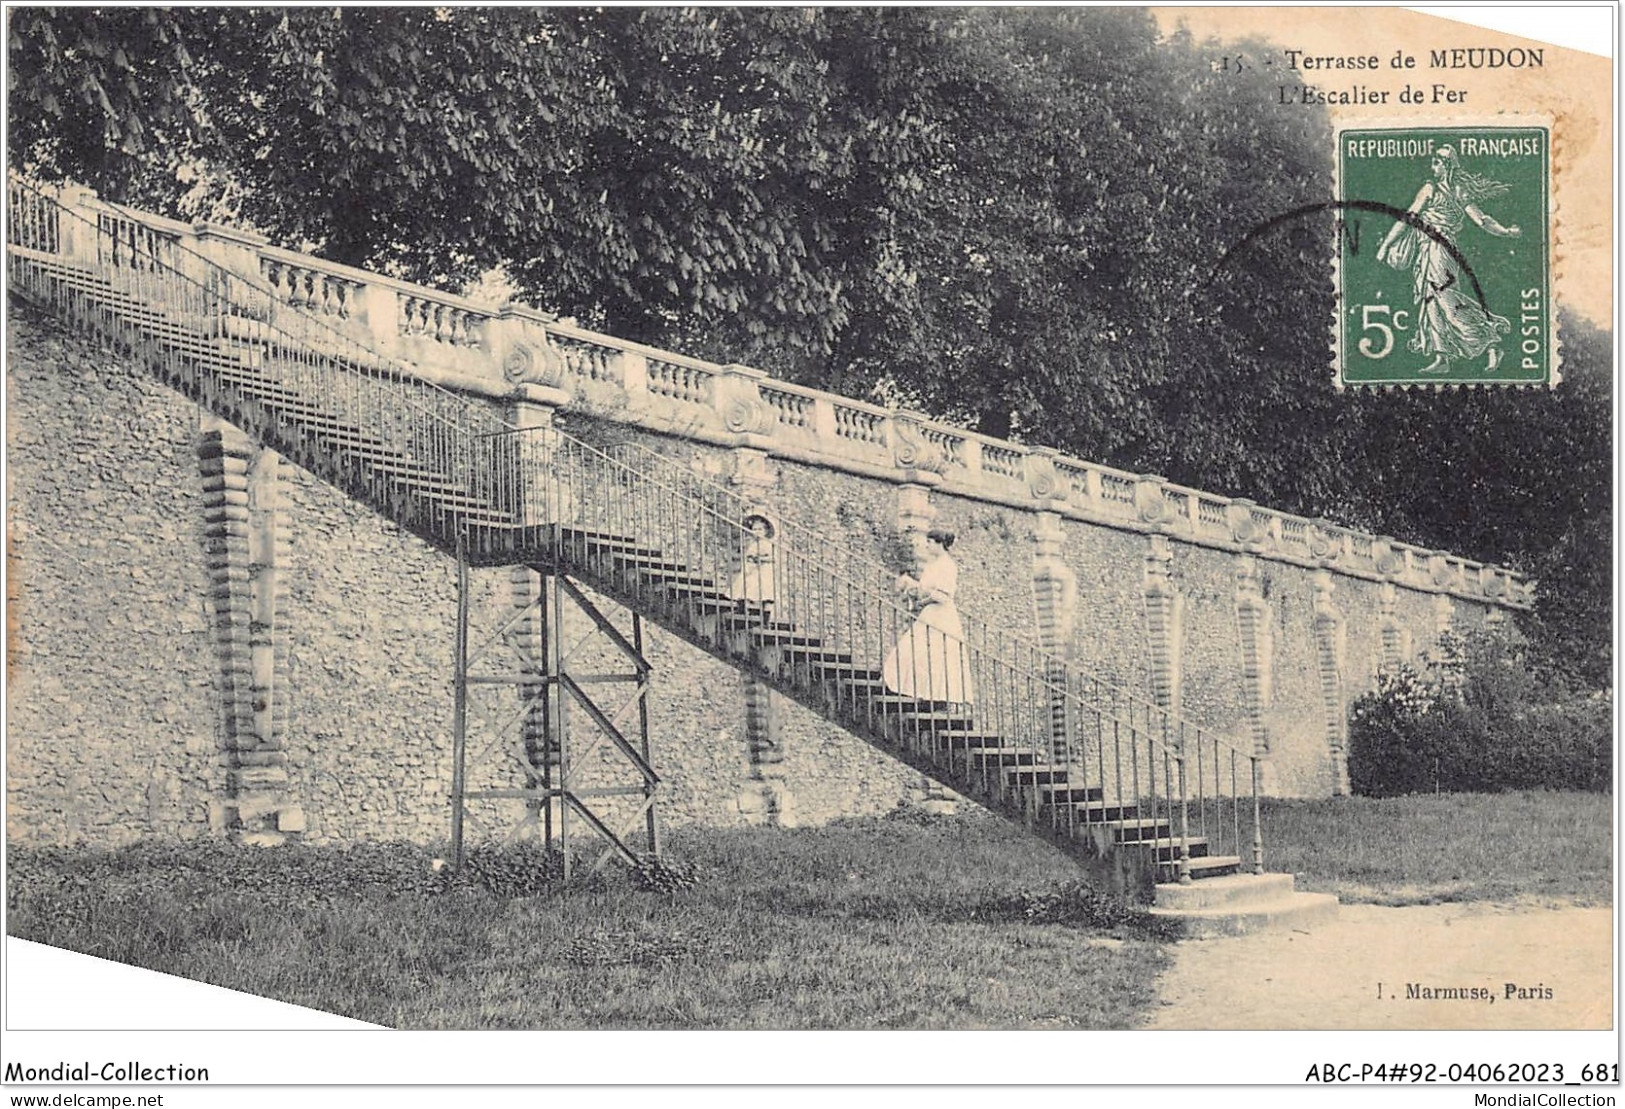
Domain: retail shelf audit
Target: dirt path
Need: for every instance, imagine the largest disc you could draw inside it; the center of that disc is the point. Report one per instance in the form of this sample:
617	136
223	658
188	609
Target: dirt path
1560	957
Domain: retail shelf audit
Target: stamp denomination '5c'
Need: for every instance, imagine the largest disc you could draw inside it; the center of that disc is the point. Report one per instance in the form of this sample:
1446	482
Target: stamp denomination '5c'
1444	256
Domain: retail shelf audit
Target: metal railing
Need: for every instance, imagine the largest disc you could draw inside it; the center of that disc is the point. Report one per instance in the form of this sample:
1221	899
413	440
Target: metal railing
990	712
1215	752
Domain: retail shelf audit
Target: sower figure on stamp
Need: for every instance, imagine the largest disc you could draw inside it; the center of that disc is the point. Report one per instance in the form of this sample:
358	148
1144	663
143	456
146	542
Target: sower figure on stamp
1450	322
929	662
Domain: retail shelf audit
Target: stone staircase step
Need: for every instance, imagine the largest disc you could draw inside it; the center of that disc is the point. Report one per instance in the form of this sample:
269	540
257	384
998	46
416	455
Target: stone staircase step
1300	911
1227	892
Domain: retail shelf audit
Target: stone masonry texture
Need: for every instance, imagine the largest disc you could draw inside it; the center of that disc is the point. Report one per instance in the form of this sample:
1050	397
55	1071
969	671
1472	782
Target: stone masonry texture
116	726
115	730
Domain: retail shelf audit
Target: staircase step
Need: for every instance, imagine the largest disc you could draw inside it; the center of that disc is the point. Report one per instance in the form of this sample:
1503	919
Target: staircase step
1202	867
262	389
1097	814
798	643
683	582
415	477
810	656
194	349
652	564
999	756
755	620
507	544
829	670
1299	911
853	678
915	706
1166	849
956	739
1141	830
606	541
1059	793
298	408
688	598
1231	891
745	615
1028	776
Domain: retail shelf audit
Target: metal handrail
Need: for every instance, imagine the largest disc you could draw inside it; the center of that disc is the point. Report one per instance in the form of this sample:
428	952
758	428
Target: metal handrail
367	359
852	556
517	473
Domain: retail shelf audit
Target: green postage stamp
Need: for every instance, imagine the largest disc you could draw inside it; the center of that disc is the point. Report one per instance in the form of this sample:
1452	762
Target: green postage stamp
1444	256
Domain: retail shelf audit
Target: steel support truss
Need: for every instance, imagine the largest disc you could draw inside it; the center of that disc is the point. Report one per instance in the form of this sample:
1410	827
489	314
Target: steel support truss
553	735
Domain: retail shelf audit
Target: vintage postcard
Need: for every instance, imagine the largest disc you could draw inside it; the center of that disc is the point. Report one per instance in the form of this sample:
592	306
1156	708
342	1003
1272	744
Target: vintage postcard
1087	528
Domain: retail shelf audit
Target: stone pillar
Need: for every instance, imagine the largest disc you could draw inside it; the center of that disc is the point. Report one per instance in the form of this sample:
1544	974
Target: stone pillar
1257	648
914	509
239	543
769	798
282	703
1164	623
528	638
1393	638
539	486
237	252
1055	593
1329	648
1444	615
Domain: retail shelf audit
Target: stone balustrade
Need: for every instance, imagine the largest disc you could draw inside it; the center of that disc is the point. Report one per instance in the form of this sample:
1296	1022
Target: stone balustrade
476	348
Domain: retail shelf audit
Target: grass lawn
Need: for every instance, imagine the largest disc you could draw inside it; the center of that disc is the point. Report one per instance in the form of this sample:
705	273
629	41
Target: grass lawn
962	922
1447	847
866	924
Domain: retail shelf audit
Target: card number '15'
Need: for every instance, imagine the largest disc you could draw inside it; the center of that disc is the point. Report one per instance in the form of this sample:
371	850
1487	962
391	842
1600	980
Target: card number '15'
1368	322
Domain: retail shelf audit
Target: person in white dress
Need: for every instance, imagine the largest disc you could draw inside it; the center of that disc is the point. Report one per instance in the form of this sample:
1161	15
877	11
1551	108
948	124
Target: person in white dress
930	663
756	579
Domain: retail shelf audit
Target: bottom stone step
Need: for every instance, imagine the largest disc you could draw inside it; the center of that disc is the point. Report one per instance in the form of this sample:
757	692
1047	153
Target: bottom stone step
1225	891
1295	910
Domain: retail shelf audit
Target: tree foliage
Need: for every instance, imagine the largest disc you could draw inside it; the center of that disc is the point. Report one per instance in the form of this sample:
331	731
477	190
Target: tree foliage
1045	224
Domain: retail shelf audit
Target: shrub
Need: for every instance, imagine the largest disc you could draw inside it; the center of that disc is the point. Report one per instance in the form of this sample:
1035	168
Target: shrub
1474	717
664	875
